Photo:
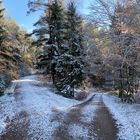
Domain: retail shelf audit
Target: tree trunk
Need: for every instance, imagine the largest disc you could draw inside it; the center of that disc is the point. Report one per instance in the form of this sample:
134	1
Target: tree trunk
121	85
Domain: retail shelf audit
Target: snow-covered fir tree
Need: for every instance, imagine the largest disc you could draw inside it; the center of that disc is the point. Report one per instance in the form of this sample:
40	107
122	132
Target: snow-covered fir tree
74	40
69	64
74	34
60	36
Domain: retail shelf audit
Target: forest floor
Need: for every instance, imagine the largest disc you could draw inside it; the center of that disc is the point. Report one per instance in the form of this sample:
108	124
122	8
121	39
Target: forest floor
34	112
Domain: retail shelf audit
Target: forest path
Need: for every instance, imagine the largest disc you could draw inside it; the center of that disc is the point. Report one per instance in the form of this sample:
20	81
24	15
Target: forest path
97	125
43	115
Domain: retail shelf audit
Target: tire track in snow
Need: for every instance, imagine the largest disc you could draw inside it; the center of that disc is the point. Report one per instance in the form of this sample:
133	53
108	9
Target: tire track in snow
73	119
81	124
103	126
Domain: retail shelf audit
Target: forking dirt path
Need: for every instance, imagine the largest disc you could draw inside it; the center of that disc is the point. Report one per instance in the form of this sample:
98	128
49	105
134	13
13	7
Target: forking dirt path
101	127
89	120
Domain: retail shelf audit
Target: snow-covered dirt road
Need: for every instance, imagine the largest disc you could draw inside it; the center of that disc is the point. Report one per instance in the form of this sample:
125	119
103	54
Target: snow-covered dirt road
35	113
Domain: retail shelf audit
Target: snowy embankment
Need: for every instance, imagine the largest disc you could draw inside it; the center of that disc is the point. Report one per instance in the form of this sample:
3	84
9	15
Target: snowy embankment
8	109
38	102
127	116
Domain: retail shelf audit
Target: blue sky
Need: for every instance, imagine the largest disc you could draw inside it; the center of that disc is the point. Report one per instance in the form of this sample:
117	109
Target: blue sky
17	9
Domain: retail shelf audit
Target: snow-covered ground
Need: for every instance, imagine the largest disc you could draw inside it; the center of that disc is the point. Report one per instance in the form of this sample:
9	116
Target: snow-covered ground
8	109
38	102
88	112
127	116
78	131
47	112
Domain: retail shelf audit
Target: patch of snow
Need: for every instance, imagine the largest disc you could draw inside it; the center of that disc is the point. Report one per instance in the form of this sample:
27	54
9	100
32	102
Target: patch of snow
41	127
127	116
42	106
78	131
8	109
88	112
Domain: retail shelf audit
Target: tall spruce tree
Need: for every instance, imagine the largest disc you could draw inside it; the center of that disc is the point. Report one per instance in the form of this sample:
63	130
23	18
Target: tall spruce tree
74	38
69	65
50	33
74	32
62	50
